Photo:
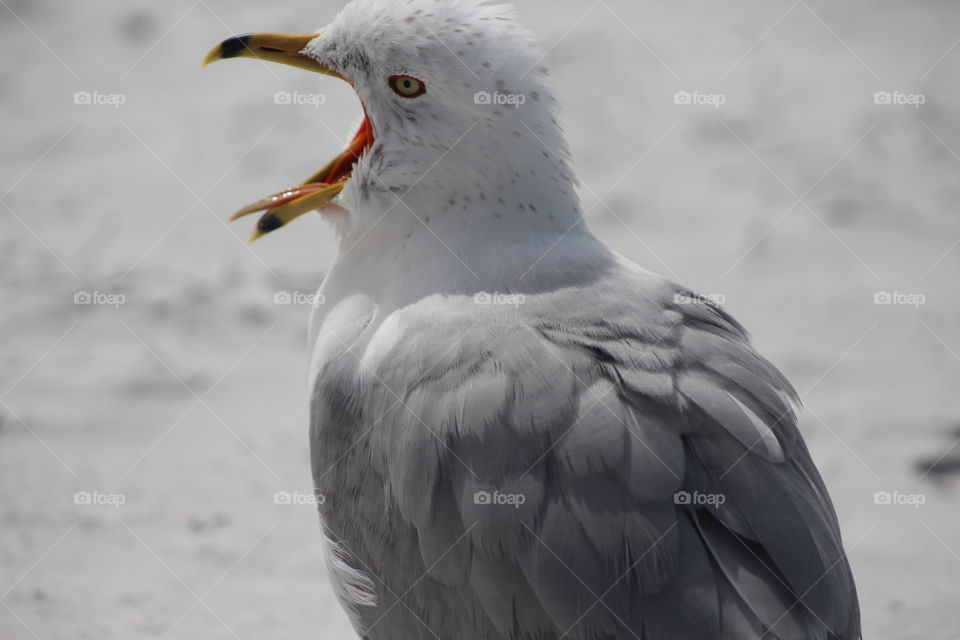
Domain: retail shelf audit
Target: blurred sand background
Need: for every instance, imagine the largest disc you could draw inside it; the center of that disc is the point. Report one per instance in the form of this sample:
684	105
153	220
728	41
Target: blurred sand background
796	202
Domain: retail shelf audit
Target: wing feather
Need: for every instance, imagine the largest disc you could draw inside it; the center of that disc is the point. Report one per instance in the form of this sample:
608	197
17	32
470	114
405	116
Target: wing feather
556	449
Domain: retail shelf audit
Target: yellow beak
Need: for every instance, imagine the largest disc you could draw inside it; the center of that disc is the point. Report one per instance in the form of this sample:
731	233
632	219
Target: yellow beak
318	190
285	48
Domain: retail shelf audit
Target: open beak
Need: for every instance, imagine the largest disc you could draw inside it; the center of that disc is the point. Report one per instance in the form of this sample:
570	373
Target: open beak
317	191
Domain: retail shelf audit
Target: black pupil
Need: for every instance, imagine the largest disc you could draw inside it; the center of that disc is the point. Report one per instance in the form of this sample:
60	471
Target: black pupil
406	85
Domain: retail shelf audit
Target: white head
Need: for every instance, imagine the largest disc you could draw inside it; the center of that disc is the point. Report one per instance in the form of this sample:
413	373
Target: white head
485	119
460	122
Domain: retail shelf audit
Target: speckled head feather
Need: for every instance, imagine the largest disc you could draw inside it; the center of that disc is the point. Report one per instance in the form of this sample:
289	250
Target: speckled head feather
484	125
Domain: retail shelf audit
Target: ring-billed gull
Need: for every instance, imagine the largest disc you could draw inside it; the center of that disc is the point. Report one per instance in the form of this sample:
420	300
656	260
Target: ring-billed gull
518	433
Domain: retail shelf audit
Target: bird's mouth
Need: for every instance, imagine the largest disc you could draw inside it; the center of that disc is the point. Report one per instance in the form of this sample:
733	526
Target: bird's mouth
317	191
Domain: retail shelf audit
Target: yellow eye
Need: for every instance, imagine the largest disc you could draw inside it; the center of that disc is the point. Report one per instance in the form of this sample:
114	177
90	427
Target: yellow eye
407	86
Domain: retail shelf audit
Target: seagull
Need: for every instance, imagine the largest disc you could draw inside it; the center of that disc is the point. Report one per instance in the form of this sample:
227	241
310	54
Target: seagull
519	434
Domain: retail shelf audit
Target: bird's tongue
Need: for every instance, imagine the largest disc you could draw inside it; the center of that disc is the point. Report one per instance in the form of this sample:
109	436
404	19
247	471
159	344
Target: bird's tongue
340	167
314	193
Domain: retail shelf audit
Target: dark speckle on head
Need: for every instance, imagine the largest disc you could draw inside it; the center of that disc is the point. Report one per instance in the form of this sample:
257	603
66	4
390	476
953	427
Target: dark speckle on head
409	114
359	60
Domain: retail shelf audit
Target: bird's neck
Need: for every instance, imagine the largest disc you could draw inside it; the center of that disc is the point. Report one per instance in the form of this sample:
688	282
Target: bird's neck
430	242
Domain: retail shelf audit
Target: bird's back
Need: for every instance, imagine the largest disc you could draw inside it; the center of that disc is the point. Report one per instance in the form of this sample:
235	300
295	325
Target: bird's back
612	460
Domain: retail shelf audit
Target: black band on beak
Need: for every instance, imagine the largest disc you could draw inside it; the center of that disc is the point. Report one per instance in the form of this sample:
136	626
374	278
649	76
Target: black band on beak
233	47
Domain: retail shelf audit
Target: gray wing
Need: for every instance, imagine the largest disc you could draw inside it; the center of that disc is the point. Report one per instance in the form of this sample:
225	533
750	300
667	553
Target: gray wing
665	487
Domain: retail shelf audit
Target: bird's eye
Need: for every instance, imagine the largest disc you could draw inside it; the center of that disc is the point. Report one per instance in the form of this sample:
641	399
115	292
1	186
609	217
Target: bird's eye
407	86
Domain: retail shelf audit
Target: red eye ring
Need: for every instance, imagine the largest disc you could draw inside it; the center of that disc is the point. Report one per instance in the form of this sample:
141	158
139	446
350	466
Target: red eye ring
407	86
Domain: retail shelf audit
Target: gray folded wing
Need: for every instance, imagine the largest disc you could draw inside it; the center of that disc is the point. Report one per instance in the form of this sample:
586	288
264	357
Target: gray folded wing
666	492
